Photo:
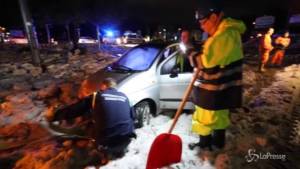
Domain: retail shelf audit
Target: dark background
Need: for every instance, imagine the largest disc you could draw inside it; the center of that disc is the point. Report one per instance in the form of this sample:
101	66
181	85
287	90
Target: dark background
145	15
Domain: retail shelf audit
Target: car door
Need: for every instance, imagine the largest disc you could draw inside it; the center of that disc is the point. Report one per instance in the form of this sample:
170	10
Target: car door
173	81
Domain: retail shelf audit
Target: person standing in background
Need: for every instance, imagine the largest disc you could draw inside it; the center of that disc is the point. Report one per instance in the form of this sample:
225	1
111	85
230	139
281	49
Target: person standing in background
265	47
282	42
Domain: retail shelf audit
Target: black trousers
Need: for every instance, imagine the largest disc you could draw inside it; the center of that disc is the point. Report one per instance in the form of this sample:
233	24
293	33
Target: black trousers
216	139
116	146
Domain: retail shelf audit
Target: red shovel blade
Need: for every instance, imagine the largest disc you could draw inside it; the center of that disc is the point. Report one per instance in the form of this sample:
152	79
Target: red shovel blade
165	150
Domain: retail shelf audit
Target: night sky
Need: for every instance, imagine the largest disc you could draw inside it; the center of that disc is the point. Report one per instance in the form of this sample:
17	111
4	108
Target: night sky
140	13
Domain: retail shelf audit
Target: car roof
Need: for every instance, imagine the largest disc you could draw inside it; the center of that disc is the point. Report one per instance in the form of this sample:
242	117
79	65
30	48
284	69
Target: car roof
159	45
87	37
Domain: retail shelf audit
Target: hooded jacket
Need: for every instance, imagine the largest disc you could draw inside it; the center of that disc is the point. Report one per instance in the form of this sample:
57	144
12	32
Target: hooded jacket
219	83
112	114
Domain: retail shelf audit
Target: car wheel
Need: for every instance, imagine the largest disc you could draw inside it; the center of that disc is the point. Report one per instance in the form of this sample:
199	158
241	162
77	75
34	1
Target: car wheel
143	113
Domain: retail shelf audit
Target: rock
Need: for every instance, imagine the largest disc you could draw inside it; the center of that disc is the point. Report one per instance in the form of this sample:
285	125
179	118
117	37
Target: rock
21	108
222	161
261	141
52	69
36	71
258	102
20	98
67	143
49	113
258	128
27	66
22	86
6	83
49	91
33	113
17	132
4	93
49	60
60	74
70	153
82	143
46	152
44	159
6	68
77	52
19	72
77	77
6	108
74	57
40	84
9	81
68	95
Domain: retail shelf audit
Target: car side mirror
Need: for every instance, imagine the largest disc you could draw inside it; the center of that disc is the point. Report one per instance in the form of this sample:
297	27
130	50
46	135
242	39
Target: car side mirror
174	73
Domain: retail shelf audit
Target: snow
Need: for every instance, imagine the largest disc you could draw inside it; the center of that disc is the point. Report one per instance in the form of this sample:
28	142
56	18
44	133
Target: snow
136	157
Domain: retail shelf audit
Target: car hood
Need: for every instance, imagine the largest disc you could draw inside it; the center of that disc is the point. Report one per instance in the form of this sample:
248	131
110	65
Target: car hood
117	75
91	84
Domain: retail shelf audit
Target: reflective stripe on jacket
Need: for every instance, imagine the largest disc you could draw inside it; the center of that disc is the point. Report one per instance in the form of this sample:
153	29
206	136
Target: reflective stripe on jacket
219	84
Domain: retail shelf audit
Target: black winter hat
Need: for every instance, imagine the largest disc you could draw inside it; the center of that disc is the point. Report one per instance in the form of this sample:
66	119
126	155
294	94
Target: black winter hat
207	8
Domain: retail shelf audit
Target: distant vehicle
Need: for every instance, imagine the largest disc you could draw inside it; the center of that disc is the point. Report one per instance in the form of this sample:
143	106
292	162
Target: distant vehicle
111	37
132	39
149	76
86	40
17	40
110	40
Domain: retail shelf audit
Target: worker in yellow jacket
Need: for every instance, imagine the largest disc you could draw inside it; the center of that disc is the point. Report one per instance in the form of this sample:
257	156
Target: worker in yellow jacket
219	84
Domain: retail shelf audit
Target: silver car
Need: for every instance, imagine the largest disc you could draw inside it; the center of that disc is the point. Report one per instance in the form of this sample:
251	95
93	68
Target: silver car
132	39
148	74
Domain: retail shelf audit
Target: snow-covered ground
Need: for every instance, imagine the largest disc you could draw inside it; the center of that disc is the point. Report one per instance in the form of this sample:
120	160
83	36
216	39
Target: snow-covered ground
139	148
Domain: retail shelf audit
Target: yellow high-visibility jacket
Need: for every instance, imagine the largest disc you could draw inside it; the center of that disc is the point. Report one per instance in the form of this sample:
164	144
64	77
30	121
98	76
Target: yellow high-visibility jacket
219	84
225	46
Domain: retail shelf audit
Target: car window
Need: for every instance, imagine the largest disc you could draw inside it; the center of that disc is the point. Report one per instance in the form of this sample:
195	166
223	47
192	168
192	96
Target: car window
132	36
139	59
169	51
182	63
179	62
168	66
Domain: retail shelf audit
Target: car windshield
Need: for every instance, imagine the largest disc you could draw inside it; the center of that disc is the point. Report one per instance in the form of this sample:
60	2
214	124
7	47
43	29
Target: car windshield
132	36
85	37
138	59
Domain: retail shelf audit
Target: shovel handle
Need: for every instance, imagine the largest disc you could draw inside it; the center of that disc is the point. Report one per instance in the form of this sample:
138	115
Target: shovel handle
184	100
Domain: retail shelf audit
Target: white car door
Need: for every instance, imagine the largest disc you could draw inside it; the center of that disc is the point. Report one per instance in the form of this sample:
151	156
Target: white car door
173	81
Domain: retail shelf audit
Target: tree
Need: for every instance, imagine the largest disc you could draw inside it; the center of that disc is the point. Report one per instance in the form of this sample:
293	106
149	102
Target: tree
30	32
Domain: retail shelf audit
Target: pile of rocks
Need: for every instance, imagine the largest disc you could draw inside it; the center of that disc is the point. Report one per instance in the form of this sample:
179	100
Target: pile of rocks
54	155
26	91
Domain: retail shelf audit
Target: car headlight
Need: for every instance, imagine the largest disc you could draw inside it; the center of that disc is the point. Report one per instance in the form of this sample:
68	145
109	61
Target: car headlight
119	41
125	40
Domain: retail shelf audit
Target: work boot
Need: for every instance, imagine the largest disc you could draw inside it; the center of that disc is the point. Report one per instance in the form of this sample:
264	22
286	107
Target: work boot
192	146
218	139
262	67
204	143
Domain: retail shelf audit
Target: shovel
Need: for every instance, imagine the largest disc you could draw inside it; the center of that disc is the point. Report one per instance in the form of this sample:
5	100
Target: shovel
167	147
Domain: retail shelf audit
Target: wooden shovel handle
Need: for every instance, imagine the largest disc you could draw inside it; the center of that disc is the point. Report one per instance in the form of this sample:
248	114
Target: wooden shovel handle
94	100
184	100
